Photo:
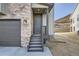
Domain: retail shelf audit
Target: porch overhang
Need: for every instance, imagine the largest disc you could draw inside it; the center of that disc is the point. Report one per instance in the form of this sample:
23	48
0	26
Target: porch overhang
35	5
48	6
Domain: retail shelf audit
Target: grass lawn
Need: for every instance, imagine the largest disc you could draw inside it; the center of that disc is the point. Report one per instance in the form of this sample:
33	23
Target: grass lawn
64	44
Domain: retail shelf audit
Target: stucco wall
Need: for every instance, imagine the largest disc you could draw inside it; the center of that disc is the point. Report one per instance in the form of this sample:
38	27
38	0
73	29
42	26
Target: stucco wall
44	20
23	12
51	22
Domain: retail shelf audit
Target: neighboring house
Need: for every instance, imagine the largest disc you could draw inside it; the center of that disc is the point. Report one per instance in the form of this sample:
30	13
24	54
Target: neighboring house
63	24
75	20
19	22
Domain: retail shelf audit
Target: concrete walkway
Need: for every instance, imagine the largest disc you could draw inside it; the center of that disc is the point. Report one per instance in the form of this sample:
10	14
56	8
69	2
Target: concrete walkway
19	51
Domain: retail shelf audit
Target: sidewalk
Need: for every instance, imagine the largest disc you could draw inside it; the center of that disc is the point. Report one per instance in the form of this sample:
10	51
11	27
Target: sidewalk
17	51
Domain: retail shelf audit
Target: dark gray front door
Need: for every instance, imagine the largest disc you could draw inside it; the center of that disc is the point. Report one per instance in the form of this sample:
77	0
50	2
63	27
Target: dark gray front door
37	24
10	32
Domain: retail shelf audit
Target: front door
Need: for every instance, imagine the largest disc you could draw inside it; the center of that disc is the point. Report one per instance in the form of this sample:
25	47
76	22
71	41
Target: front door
37	24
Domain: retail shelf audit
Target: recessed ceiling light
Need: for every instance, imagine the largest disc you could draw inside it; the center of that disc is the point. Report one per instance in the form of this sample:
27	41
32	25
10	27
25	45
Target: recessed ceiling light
38	9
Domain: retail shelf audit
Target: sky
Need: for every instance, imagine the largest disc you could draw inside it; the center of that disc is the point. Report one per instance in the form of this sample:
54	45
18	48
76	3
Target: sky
63	9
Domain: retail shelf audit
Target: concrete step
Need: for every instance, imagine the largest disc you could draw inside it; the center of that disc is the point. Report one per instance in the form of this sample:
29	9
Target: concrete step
35	37
35	50
35	43
35	46
35	40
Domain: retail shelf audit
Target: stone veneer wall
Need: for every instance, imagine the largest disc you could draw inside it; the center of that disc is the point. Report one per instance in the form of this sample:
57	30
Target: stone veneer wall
24	12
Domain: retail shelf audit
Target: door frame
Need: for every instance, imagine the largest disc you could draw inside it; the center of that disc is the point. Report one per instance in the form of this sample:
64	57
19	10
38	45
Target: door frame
34	22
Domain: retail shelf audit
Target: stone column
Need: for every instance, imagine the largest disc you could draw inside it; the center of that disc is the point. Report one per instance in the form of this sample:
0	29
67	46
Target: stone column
23	12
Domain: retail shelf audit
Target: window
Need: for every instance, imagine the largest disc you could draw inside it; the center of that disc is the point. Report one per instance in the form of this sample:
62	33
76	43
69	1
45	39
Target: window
71	29
74	28
3	8
78	32
77	17
71	20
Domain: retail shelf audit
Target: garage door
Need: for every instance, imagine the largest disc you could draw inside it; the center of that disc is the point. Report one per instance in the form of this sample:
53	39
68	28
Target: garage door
10	32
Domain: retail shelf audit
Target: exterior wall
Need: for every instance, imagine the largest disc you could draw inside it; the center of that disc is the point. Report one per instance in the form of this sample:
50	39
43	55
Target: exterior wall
63	24
51	22
23	12
44	19
74	17
62	27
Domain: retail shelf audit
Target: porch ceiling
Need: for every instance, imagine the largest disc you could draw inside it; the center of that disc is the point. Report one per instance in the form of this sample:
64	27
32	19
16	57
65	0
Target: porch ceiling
39	10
